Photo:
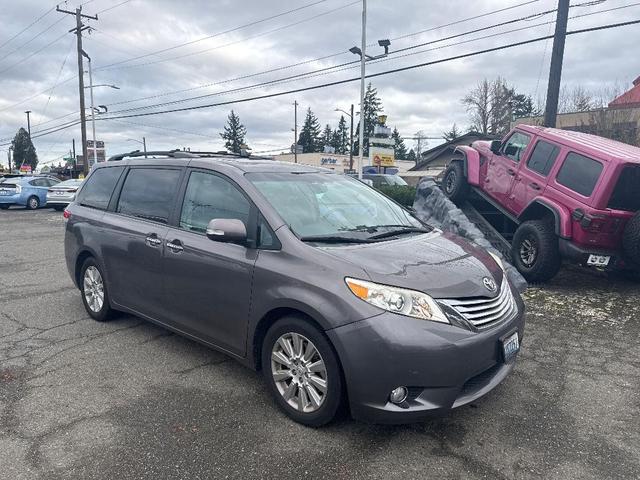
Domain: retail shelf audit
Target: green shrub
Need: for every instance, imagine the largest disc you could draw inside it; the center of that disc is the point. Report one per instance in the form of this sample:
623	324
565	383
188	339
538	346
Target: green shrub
403	194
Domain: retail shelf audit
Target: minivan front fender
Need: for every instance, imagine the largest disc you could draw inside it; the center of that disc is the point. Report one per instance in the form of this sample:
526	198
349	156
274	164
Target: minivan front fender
471	164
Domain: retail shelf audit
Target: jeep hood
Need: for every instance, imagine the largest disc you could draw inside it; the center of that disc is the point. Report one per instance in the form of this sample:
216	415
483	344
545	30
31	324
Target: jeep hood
442	265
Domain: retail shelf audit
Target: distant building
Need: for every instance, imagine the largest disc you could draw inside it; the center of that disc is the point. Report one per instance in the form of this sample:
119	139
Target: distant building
620	120
433	162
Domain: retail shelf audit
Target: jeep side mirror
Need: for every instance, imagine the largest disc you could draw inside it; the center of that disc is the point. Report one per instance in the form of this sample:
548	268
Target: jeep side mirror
227	230
496	145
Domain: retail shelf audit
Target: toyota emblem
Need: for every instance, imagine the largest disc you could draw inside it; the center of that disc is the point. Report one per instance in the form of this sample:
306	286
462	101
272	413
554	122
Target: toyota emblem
490	284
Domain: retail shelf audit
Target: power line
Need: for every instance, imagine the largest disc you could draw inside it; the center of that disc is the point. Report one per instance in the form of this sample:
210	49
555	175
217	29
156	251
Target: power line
6	42
31	40
250	24
235	42
112	7
348	80
34	53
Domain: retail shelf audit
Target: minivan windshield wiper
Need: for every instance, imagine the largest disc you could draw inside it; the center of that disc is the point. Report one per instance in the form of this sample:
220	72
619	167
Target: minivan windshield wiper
334	239
398	231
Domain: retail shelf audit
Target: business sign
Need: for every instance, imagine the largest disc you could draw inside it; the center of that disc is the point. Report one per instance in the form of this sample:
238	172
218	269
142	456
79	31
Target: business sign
96	152
25	168
382	157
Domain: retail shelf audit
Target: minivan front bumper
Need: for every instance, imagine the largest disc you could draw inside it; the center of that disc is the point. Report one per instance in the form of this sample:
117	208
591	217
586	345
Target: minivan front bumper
443	366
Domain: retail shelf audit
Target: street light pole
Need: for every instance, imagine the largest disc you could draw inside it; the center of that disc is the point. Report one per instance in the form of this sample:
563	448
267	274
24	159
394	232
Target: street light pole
28	123
295	131
351	141
93	116
363	59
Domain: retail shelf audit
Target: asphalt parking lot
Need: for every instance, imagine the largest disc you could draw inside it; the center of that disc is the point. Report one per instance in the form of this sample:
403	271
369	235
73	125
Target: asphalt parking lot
126	399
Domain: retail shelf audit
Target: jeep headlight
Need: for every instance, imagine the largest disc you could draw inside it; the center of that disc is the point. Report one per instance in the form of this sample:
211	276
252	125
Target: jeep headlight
397	300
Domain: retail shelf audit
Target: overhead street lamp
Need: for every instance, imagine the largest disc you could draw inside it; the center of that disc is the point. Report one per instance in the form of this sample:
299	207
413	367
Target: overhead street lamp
143	143
364	58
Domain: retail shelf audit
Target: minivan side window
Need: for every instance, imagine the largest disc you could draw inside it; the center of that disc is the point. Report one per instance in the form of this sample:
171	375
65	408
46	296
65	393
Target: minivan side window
149	193
97	189
579	173
515	146
543	157
210	196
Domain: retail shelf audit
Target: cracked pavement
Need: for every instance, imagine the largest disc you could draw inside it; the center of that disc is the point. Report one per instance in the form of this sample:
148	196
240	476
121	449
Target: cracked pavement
126	399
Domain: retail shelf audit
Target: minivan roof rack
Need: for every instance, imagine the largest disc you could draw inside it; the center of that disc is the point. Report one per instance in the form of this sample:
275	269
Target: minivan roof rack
163	153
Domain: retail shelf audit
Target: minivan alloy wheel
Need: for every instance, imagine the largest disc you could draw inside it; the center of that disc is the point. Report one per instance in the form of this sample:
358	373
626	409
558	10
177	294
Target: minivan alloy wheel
93	288
299	372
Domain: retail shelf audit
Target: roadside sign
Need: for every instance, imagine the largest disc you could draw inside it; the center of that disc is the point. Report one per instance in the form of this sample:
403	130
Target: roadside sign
25	168
382	157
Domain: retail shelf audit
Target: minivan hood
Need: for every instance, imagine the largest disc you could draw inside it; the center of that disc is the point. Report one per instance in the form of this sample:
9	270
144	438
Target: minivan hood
440	264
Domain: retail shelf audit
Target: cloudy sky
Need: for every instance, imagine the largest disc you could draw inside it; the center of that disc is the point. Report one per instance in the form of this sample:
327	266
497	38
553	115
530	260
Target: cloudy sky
167	52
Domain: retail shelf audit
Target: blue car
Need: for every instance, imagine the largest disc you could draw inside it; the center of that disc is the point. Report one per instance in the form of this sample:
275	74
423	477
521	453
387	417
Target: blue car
26	190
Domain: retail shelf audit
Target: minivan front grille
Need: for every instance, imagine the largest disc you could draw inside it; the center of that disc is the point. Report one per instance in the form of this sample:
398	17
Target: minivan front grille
485	312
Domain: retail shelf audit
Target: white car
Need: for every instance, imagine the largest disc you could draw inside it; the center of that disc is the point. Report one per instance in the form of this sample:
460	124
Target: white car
62	194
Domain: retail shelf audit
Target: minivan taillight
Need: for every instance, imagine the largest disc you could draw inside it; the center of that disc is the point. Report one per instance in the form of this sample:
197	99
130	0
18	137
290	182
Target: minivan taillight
66	214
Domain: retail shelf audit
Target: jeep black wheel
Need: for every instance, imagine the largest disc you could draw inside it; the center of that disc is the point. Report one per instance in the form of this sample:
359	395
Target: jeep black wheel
454	183
631	241
535	251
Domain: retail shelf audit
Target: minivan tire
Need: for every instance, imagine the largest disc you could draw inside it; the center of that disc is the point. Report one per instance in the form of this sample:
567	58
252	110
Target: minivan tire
535	250
454	184
33	202
105	312
333	399
631	241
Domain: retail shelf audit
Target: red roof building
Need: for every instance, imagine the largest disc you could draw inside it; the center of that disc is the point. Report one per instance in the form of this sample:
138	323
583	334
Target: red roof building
628	99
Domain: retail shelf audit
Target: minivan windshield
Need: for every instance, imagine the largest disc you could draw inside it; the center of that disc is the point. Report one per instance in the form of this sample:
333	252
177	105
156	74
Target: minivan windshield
334	208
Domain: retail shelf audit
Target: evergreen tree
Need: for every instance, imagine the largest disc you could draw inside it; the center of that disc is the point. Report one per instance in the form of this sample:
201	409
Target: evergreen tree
399	146
309	137
452	134
24	153
234	133
327	136
372	108
341	135
411	155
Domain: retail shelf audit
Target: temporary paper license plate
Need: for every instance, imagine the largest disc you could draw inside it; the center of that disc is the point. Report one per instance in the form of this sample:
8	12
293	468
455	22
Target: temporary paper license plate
598	260
510	346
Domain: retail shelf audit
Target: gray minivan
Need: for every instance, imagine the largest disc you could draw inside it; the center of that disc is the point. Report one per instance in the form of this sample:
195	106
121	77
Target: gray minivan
341	297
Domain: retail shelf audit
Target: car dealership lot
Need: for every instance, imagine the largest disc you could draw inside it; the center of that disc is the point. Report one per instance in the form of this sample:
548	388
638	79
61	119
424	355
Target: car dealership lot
128	399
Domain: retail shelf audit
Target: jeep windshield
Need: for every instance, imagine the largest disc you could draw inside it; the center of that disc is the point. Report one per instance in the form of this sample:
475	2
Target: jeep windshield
331	208
625	195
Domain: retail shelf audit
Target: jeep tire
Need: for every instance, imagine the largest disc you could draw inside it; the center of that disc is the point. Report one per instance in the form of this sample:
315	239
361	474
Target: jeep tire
535	251
454	183
631	241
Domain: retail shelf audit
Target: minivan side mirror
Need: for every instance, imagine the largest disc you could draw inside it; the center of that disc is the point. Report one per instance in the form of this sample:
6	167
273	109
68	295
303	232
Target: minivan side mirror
226	230
496	145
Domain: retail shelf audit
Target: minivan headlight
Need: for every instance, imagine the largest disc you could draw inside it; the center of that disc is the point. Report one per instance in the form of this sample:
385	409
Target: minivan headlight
397	300
498	261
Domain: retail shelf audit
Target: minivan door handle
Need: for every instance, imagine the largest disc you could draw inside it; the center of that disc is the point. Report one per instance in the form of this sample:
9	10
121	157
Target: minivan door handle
175	246
534	185
152	240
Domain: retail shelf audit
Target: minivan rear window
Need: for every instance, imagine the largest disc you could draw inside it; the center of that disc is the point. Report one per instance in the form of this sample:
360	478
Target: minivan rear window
626	194
149	193
96	191
579	173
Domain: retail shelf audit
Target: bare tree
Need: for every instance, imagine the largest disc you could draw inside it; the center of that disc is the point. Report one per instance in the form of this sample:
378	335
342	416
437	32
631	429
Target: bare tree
490	106
478	104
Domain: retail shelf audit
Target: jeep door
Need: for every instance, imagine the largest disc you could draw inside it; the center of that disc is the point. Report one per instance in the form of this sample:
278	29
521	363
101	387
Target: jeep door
503	166
533	175
208	283
133	241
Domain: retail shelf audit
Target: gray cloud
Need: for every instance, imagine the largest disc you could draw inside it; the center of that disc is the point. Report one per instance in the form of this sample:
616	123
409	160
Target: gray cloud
425	99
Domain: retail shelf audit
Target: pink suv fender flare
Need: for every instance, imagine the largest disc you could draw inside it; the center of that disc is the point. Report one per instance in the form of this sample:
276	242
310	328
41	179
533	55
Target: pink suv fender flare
471	164
561	215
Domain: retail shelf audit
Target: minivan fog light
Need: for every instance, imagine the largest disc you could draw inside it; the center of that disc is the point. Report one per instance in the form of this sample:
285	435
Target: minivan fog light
397	300
398	395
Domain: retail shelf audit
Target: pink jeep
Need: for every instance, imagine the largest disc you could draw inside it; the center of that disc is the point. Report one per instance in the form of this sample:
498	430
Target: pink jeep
569	195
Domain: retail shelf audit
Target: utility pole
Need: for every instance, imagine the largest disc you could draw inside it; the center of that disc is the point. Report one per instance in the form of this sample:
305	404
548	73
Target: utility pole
351	142
555	70
144	146
363	59
93	112
28	112
83	115
9	158
295	131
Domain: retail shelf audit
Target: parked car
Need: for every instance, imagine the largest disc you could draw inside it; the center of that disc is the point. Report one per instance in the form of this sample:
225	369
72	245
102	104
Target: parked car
384	180
27	190
63	193
571	195
332	290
